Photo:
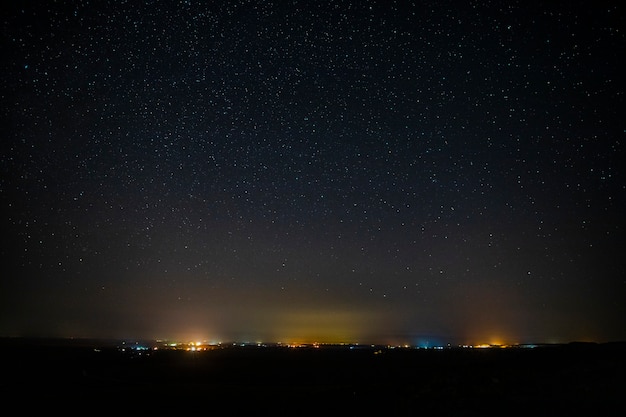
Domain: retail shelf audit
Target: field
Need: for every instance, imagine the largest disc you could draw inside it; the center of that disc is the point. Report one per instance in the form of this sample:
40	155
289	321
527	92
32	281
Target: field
575	379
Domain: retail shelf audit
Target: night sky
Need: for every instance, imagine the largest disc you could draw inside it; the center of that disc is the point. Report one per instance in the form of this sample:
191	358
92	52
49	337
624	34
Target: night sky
415	172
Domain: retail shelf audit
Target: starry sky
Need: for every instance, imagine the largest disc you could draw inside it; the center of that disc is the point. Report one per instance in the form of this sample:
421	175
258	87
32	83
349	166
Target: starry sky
359	171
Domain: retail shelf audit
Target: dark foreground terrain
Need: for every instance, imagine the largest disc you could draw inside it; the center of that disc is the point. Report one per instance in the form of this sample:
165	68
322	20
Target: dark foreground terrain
575	379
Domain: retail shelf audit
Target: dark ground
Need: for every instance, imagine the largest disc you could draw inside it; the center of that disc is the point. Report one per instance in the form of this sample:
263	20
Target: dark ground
575	379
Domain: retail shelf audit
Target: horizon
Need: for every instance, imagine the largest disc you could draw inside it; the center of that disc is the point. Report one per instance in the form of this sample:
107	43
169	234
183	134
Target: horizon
134	343
425	340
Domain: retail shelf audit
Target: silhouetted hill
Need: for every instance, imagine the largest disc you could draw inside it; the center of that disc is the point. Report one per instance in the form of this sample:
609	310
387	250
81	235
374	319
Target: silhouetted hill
575	378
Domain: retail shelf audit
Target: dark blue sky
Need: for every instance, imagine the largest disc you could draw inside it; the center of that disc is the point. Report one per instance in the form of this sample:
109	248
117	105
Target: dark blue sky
354	171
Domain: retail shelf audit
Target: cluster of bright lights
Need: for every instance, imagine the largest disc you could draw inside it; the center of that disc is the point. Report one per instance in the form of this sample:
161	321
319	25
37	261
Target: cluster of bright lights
205	345
199	346
188	346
